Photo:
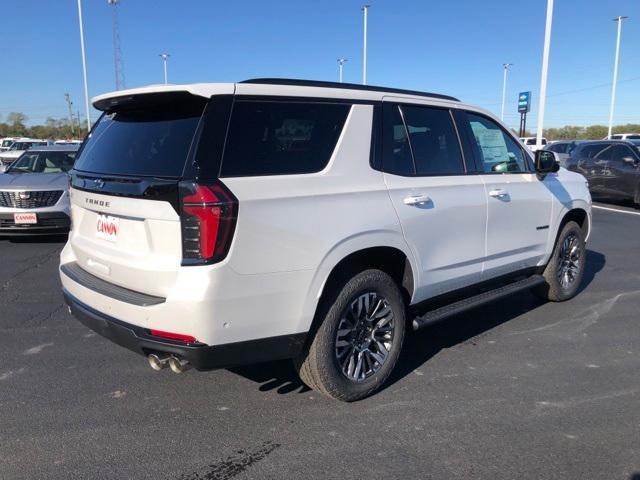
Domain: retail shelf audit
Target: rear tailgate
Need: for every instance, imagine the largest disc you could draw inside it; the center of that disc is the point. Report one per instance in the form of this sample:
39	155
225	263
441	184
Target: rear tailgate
124	195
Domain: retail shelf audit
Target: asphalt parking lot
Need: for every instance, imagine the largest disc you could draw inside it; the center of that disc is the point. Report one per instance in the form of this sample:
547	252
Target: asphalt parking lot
517	389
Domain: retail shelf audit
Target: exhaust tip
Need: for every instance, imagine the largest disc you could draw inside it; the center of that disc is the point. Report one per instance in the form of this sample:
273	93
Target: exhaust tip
157	362
178	365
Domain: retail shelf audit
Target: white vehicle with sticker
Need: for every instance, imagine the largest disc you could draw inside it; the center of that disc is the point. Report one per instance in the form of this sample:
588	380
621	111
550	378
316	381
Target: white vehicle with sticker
217	225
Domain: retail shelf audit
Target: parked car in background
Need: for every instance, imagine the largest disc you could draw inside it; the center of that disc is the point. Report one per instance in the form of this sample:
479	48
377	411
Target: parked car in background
34	196
17	148
624	136
612	168
563	148
530	142
225	224
6	143
68	142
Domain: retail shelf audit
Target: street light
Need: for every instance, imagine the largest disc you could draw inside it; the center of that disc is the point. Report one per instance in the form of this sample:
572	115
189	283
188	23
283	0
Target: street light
165	57
504	87
341	62
615	73
84	66
545	73
365	10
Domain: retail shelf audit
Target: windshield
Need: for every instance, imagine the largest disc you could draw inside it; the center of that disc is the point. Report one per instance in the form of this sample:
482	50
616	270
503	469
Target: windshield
6	143
44	162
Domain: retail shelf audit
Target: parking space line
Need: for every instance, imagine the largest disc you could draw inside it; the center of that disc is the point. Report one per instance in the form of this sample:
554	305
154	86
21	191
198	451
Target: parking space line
615	210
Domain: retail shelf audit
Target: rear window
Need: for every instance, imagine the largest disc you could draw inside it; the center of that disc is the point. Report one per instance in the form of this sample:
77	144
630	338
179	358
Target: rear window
149	141
281	138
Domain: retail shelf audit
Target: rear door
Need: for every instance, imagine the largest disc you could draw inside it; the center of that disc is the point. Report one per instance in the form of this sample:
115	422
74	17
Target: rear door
442	210
124	196
519	204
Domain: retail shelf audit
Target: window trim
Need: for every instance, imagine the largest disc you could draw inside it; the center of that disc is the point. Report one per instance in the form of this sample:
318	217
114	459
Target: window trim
516	140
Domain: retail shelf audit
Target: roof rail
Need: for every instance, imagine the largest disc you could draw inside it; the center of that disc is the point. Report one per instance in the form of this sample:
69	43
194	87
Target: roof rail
346	86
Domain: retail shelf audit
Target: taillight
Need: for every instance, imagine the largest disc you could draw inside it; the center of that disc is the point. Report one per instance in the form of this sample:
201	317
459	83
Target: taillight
208	216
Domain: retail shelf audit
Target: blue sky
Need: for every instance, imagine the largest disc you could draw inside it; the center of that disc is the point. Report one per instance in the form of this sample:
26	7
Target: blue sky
455	47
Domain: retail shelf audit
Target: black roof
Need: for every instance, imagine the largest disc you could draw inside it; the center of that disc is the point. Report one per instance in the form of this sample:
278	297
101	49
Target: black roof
346	86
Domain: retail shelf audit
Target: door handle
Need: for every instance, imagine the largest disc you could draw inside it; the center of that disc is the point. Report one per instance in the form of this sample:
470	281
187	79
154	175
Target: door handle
416	200
498	193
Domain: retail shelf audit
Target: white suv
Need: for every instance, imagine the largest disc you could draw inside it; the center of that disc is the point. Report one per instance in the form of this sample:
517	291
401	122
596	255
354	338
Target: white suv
222	224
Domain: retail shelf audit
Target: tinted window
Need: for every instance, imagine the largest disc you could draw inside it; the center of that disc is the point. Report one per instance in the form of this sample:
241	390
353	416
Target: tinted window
557	147
498	152
618	152
277	138
633	137
434	141
590	151
146	142
396	150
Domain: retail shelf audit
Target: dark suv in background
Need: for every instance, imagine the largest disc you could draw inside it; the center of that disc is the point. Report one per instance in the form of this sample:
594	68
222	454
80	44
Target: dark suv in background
612	168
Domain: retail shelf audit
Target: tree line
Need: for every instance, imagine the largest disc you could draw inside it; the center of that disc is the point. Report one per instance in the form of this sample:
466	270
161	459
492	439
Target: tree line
53	128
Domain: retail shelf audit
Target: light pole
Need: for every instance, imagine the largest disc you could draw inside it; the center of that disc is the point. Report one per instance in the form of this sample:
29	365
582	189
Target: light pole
615	73
504	87
545	73
365	10
165	57
341	62
84	66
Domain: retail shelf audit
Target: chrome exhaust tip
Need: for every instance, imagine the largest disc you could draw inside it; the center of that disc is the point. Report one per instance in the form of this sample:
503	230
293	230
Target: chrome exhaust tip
178	365
158	362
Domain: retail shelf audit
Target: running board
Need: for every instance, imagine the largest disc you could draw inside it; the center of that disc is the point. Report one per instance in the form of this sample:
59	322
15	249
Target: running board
475	301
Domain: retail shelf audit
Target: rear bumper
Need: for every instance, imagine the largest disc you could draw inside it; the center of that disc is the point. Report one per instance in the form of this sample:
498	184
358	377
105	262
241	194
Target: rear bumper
49	223
201	356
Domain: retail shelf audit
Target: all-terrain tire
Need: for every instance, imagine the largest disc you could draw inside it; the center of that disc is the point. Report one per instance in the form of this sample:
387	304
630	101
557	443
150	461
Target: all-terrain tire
565	269
320	366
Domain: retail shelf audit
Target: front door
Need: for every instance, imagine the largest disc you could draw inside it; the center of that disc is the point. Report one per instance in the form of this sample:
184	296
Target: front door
519	203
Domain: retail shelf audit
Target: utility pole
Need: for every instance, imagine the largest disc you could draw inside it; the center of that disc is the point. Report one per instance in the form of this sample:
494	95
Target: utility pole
70	107
165	57
545	73
84	65
341	62
504	87
365	10
117	51
615	73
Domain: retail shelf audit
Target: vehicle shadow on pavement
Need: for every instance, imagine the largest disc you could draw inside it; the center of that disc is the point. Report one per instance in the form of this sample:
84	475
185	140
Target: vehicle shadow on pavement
421	346
279	376
35	238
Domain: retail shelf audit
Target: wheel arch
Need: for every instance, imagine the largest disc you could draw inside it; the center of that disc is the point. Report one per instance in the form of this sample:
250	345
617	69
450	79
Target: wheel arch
385	251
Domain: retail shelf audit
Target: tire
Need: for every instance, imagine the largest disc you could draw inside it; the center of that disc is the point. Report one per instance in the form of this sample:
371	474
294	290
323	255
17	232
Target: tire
346	333
565	269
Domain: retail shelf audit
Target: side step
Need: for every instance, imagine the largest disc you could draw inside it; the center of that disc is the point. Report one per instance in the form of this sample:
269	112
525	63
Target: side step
477	300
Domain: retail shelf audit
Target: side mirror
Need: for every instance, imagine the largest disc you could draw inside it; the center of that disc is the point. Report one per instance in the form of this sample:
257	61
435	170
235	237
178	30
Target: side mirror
547	162
630	160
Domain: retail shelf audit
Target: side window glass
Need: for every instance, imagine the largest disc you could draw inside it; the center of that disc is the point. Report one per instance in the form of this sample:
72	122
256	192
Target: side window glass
434	141
499	153
602	153
396	155
619	152
280	138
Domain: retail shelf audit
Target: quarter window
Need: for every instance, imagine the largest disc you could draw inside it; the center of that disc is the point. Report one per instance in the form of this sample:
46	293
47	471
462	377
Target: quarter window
281	138
498	152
